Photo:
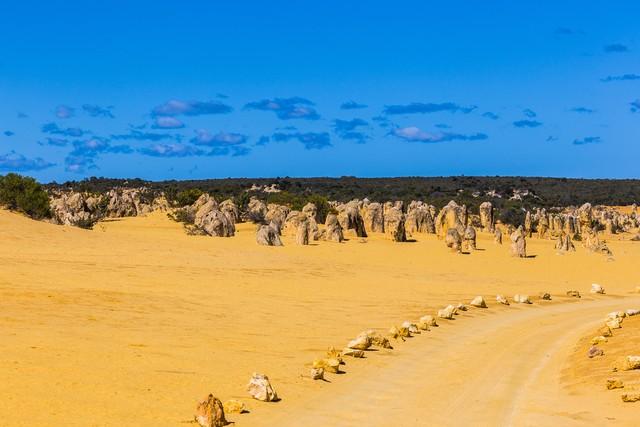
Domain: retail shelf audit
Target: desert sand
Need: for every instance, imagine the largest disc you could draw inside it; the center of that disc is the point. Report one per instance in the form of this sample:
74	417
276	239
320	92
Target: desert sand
129	324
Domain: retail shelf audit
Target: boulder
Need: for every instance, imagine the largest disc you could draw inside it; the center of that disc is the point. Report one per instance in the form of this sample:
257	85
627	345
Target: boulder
630	363
545	296
311	211
596	289
256	212
233	406
303	232
452	216
522	299
230	210
361	342
374	217
419	218
518	243
210	413
478	302
350	219
502	300
594	351
394	225
260	388
411	327
486	217
329	364
470	238
333	229
216	224
497	236
268	236
428	320
453	240
447	312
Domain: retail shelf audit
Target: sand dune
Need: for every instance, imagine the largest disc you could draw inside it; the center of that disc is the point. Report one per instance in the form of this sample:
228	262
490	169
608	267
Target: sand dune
132	322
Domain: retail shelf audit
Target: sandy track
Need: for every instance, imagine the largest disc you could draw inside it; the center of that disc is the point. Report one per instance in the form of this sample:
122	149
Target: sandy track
457	375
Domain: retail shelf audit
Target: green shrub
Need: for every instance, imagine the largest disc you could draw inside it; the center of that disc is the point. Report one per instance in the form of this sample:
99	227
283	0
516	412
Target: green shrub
24	194
187	197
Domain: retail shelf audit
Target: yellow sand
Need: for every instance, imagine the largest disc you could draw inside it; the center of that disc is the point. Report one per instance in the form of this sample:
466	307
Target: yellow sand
132	322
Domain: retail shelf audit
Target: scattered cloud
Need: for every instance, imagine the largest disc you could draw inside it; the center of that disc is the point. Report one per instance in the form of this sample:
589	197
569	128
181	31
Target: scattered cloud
422	108
551	138
310	140
98	111
621	77
54	129
64	112
352	105
346	129
490	115
263	140
167	122
177	107
8	133
286	108
635	106
93	146
615	48
529	113
583	110
21	115
587	140
222	96
15	162
56	142
171	150
442	126
382	121
240	151
527	123
415	134
138	135
220	139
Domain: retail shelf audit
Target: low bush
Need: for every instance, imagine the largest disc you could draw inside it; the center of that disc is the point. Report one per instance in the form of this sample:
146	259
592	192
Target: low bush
24	194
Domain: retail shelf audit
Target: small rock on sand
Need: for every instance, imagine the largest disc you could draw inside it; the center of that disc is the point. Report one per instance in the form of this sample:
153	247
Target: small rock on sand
573	294
478	302
210	413
545	296
598	340
260	388
596	289
233	406
630	397
502	300
595	351
613	383
317	373
522	299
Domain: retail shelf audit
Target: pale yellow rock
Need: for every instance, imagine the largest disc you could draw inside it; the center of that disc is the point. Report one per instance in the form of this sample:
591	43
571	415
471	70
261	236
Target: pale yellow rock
317	373
478	302
605	331
361	342
502	300
331	365
429	320
614	324
613	383
411	327
260	388
598	340
596	289
233	406
630	397
353	352
522	299
210	413
447	312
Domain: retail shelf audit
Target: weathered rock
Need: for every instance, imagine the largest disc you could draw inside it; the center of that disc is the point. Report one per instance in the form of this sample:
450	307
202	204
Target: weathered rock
596	289
497	236
502	300
478	302
256	211
268	236
452	216
630	397
453	240
470	238
630	363
428	320
230	210
317	373
543	225
594	351
486	217
210	413
518	243
614	324
333	229
613	383
564	243
598	340
522	299
233	406
303	233
260	388
545	296
605	331
394	225
447	312
216	224
632	311
351	220
411	327
374	217
331	365
311	211
378	340
419	218
573	294
76	209
361	342
124	202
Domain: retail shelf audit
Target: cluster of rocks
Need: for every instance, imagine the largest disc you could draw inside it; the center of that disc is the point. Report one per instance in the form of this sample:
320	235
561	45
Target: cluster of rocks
82	209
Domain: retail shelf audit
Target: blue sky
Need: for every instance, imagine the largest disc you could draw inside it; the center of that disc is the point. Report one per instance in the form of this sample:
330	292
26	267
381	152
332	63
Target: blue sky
203	89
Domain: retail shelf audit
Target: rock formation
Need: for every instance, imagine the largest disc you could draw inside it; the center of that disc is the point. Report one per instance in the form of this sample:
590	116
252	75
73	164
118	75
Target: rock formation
333	229
351	220
210	413
260	388
453	240
487	220
394	225
564	243
266	235
374	217
518	243
470	238
419	218
215	224
230	210
497	236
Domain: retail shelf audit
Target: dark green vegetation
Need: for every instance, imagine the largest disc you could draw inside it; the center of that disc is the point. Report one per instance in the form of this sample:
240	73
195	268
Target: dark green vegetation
544	192
24	194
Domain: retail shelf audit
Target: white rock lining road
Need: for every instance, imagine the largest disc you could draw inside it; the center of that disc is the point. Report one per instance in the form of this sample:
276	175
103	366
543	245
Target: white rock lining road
485	368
